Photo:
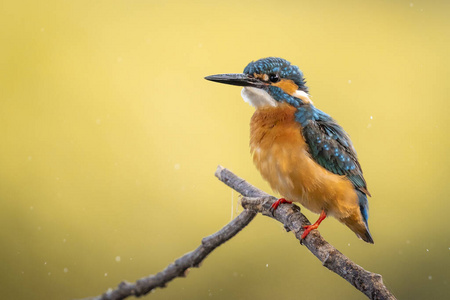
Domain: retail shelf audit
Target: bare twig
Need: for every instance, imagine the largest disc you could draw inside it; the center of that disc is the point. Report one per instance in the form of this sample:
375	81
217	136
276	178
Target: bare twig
371	284
181	266
255	201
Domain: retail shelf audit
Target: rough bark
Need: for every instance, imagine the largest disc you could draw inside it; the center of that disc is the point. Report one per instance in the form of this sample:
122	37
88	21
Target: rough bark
256	201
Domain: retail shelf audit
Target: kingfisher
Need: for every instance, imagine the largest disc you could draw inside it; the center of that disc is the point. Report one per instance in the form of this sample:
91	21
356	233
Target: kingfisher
304	154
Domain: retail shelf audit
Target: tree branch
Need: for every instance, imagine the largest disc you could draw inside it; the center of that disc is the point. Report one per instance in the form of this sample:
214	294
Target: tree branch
255	201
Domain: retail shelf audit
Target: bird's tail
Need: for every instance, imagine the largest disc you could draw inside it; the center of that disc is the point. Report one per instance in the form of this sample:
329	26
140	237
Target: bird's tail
358	221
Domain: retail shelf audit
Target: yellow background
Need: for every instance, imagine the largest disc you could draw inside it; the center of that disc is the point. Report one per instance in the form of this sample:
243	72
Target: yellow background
110	138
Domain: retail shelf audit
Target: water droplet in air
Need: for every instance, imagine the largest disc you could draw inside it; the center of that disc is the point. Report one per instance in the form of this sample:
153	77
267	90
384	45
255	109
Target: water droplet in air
118	258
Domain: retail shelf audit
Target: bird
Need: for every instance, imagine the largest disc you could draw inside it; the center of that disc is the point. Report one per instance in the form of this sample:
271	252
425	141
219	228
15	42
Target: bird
303	153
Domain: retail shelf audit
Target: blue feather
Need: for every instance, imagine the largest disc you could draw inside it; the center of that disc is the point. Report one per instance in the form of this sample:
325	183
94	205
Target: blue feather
364	208
277	65
330	145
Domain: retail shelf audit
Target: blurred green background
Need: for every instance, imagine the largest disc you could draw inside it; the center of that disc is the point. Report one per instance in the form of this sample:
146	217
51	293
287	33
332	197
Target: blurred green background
110	138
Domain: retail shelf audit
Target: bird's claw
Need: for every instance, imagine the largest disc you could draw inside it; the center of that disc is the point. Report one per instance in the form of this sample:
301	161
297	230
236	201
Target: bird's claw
308	229
277	203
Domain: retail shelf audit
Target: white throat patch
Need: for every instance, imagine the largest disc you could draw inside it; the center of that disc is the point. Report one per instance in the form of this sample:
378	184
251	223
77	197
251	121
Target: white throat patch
257	97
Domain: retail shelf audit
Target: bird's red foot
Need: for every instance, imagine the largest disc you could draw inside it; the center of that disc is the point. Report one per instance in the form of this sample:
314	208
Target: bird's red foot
308	228
278	202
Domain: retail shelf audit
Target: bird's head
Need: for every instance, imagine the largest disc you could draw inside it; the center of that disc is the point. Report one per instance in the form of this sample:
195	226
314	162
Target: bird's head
268	82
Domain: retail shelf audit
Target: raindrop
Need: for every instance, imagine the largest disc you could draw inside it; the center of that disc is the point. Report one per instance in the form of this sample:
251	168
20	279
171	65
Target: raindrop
118	258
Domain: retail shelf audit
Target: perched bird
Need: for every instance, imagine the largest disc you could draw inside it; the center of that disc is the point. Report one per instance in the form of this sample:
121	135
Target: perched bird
300	150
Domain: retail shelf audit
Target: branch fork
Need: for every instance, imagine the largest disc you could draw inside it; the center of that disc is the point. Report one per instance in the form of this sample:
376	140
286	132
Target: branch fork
256	201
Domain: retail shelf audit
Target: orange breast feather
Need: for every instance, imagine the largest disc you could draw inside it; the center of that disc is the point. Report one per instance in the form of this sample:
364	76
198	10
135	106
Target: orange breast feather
281	155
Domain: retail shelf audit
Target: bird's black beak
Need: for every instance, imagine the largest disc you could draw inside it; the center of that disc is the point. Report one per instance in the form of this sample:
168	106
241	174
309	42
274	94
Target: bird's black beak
237	79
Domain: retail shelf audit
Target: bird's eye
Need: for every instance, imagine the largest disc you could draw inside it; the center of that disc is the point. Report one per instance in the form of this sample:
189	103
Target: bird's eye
274	78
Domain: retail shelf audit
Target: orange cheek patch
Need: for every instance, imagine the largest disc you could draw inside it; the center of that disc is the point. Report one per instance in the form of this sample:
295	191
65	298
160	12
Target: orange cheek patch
287	85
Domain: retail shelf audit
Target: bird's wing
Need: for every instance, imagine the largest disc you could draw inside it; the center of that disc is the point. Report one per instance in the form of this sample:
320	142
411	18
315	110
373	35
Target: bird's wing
331	147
